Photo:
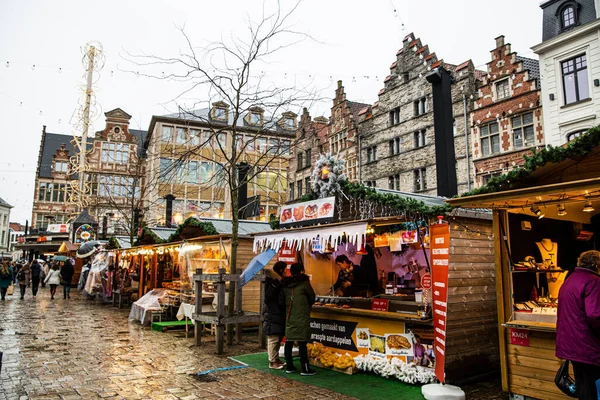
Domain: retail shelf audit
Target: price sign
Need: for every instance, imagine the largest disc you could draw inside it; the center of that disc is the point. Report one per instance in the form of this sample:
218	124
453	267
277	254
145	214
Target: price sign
379	305
426	281
519	337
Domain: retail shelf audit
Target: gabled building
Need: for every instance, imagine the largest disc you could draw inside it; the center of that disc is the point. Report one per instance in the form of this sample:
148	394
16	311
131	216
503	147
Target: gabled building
570	66
311	141
187	155
5	208
507	117
397	137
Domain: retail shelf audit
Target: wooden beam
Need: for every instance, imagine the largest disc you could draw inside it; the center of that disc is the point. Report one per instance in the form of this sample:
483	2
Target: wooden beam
498	218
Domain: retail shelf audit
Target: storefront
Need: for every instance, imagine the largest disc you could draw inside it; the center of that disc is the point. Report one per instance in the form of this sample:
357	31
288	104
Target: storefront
542	221
385	319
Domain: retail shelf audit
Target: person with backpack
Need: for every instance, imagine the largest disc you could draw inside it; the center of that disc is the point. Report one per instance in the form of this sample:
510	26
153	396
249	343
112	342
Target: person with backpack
6	279
36	273
66	273
53	279
24	278
298	297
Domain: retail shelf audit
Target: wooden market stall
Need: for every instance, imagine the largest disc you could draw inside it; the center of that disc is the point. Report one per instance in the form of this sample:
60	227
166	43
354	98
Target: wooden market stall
544	216
388	233
69	249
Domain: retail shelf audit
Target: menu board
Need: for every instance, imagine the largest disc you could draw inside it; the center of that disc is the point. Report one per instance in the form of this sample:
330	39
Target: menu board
308	212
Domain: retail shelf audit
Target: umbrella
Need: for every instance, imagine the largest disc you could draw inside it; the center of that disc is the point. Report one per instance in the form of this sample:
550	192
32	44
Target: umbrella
87	249
59	258
255	265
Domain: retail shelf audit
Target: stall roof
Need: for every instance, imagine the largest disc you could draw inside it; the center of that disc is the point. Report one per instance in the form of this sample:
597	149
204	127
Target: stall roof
162	233
246	227
123	241
430	201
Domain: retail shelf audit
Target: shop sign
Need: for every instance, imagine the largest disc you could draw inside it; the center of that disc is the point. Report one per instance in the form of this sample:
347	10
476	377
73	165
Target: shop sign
519	337
308	212
382	240
58	228
440	252
287	254
379	304
44	239
335	334
426	281
84	233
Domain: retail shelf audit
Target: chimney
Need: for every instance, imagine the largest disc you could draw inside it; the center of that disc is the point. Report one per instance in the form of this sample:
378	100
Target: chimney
169	210
499	41
445	158
243	169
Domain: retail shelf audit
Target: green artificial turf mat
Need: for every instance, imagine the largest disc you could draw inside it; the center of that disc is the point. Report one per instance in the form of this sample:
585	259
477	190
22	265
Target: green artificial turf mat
158	326
365	386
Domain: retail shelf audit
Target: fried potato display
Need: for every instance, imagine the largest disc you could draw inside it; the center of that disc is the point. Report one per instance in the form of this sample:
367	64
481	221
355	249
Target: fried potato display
298	213
398	342
362	335
286	215
377	344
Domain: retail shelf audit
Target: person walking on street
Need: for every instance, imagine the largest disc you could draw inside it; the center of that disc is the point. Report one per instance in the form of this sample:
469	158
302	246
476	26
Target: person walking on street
36	273
24	278
53	279
298	297
16	269
274	314
66	273
43	273
578	324
6	279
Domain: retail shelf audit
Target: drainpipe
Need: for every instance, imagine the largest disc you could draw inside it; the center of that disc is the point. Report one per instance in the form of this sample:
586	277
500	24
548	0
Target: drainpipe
359	159
467	143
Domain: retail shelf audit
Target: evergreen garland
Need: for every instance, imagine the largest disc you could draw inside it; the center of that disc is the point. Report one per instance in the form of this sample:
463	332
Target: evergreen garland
580	147
208	229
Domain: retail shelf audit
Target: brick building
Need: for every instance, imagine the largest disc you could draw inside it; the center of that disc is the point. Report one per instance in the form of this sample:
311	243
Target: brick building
507	116
187	156
397	134
311	141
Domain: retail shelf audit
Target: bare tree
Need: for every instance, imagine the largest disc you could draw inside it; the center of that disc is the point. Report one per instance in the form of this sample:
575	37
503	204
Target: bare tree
256	130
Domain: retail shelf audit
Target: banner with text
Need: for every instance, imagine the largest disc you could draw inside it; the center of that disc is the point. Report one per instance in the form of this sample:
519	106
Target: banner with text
440	252
336	334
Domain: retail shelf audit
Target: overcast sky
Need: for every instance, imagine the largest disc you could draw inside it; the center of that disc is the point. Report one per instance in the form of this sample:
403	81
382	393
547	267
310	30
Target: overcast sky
41	73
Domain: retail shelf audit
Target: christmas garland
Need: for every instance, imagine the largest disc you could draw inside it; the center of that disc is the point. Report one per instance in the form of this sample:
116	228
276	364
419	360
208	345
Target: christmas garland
395	368
148	232
207	228
580	147
327	176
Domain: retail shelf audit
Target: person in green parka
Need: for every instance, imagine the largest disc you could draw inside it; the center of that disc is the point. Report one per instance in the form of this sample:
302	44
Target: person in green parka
298	297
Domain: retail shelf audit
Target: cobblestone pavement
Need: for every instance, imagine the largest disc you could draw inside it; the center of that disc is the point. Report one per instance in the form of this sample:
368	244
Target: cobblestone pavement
81	349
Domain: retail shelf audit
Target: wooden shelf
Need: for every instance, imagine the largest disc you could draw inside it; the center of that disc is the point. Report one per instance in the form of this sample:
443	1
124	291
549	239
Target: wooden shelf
548	271
209	259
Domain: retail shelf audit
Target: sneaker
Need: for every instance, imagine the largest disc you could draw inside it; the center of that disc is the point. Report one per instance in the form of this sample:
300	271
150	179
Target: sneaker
276	365
308	372
290	371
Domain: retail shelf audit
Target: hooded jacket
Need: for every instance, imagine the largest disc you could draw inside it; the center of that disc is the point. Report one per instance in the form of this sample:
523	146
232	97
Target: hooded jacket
578	320
298	297
273	312
24	275
66	272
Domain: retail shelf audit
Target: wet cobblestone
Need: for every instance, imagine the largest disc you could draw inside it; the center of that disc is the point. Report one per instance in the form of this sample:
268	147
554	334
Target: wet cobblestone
81	349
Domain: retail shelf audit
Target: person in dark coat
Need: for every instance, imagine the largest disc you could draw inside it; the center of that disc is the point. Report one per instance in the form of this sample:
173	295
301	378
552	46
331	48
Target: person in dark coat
298	297
36	274
66	273
6	278
274	314
578	323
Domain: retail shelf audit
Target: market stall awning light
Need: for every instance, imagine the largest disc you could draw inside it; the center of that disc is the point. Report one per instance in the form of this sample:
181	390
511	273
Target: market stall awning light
536	210
561	210
588	207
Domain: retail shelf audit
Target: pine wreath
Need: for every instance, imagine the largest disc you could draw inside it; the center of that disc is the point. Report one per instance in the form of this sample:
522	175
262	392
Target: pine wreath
327	176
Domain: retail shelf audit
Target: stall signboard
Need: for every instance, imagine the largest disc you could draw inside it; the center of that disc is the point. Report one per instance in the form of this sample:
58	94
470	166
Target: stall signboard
519	337
308	212
382	240
336	334
58	228
287	254
440	252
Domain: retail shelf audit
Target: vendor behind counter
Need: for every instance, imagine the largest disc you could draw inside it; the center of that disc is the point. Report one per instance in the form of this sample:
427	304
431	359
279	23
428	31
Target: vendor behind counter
356	280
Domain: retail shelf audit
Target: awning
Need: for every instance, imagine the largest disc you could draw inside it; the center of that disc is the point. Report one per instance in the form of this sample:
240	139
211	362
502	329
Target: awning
354	232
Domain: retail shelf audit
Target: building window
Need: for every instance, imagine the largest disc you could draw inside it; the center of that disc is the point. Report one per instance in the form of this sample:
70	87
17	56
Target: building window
166	170
370	184
575	135
61	167
115	153
575	79
299	186
394	145
420	106
420	179
220	113
307	185
194	137
486	178
290	123
292	191
420	138
255	118
308	158
523	133
300	159
502	89
285	147
454	131
167	134
371	154
395	116
180	137
568	17
394	182
490	139
117	186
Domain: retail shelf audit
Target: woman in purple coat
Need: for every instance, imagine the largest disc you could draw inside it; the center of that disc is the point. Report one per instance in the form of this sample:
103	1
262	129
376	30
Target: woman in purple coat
578	323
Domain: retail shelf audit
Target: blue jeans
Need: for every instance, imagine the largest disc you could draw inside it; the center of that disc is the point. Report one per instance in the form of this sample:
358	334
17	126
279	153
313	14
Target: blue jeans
67	290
